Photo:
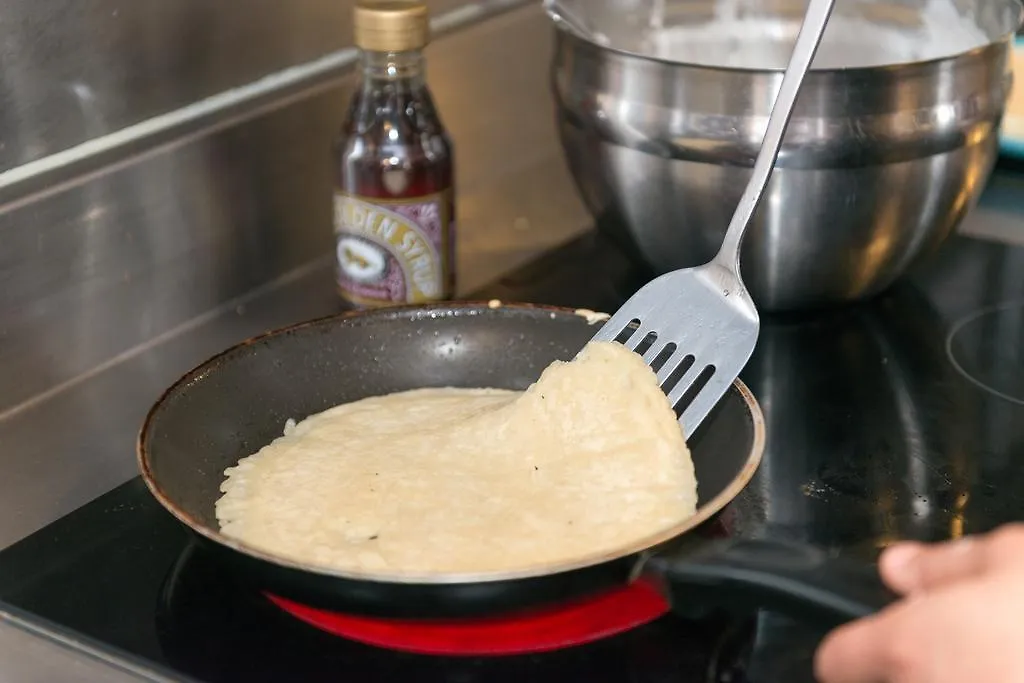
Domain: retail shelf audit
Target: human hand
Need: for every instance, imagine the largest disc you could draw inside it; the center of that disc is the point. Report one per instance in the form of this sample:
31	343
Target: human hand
961	617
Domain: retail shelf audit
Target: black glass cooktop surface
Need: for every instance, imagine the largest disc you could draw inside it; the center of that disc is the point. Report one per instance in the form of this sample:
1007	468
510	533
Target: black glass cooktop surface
902	417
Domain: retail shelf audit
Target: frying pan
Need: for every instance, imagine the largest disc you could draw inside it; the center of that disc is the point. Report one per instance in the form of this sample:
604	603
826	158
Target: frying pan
238	401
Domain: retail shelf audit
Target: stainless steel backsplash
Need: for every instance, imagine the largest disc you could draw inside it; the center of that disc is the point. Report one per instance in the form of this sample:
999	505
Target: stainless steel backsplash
71	70
112	247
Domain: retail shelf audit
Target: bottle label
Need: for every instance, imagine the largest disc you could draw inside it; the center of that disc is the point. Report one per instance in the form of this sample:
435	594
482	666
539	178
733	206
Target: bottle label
392	250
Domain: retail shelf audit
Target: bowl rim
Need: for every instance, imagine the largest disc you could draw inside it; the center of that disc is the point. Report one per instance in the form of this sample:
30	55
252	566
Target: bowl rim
1000	42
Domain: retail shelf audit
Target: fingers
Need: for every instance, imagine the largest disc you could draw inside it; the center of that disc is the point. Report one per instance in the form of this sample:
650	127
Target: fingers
856	652
912	567
898	566
898	643
909	568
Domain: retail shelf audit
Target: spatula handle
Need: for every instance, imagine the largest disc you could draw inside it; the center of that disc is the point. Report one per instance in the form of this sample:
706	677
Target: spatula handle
807	41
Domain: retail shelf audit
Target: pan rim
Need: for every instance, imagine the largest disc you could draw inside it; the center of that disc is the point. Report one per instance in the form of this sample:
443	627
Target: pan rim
641	547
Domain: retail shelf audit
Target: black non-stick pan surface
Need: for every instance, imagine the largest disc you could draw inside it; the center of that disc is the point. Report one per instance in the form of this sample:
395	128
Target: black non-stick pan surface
239	400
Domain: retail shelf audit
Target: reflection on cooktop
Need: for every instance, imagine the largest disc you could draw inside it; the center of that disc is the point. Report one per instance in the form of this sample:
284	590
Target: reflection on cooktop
858	404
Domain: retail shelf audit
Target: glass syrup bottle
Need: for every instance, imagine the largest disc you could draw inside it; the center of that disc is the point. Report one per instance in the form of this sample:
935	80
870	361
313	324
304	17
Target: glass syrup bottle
394	209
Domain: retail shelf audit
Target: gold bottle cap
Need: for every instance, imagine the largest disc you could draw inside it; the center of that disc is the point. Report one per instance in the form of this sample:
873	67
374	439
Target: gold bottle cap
391	25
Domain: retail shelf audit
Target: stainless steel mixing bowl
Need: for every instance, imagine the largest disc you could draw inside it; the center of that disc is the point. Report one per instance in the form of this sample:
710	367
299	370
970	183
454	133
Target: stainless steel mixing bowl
879	163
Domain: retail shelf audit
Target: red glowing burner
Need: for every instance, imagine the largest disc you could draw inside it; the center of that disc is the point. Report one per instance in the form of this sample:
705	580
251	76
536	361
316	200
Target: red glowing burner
543	630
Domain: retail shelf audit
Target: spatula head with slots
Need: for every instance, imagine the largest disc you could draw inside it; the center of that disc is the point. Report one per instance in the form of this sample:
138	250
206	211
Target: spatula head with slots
696	328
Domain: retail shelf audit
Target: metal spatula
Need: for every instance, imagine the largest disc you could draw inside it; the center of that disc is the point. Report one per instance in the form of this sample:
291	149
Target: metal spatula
697	327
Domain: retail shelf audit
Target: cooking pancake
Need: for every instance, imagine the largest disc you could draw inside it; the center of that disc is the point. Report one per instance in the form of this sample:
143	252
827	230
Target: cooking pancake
589	458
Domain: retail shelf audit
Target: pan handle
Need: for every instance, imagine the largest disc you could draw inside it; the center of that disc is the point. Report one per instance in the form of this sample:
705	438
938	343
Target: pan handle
797	579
